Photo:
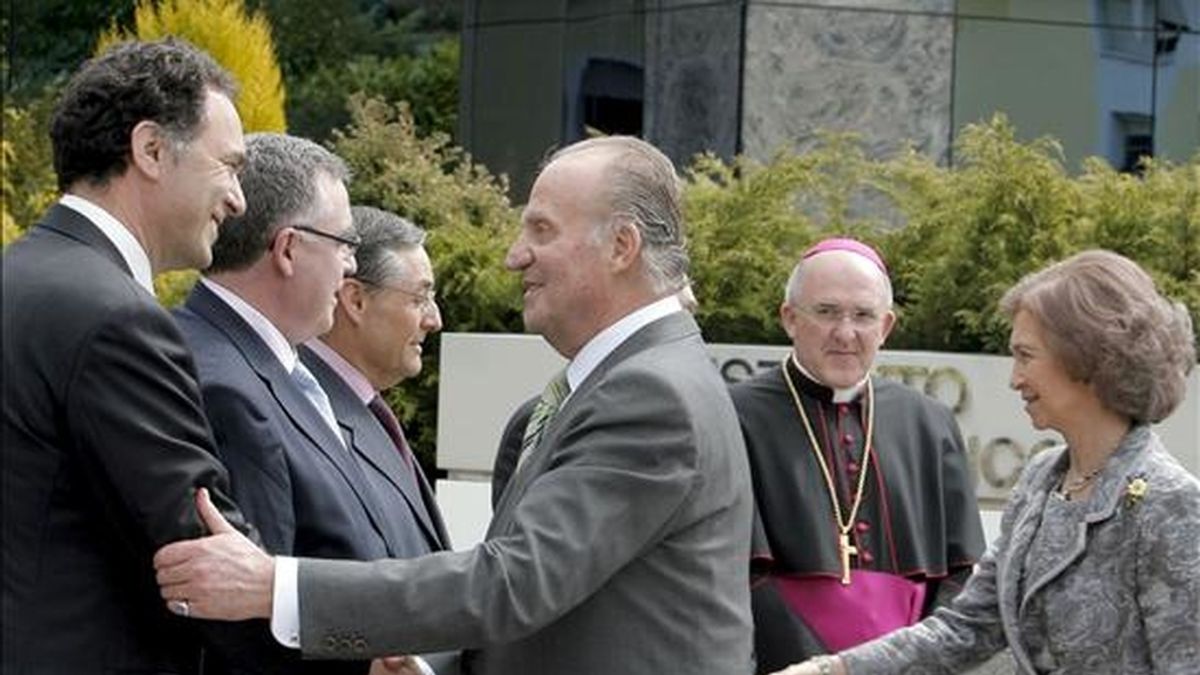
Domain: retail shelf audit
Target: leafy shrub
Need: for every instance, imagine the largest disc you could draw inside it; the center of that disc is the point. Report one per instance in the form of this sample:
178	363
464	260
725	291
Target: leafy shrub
428	82
955	238
27	185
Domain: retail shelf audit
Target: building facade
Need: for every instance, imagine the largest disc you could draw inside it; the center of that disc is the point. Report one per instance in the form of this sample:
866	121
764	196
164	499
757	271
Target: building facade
1110	78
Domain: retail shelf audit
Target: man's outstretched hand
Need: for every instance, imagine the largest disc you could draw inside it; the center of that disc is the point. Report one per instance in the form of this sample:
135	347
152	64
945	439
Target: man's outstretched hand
221	576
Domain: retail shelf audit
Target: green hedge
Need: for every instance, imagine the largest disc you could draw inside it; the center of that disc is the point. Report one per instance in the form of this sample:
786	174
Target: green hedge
955	238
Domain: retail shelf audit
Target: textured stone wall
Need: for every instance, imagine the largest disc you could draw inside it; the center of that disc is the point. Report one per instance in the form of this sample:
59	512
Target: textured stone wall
881	68
692	71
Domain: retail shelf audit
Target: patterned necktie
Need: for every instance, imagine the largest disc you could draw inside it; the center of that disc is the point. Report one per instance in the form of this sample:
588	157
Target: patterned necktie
316	395
552	398
383	413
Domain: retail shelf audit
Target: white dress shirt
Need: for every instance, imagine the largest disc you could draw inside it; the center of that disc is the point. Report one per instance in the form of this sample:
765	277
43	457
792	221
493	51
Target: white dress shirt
127	245
261	325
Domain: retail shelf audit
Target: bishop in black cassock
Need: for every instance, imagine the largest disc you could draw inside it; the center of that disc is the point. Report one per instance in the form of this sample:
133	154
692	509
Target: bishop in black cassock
906	506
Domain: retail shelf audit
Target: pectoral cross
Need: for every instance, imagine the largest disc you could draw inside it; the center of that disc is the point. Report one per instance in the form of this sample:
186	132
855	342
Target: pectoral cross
846	550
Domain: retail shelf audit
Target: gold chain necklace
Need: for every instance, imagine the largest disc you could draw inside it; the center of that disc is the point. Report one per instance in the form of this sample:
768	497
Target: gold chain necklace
1070	487
845	550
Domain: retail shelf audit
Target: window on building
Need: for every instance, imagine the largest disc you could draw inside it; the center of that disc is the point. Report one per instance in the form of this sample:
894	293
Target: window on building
1137	139
611	97
1141	29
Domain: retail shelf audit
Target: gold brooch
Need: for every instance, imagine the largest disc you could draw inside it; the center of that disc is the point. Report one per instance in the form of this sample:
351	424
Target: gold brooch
1135	491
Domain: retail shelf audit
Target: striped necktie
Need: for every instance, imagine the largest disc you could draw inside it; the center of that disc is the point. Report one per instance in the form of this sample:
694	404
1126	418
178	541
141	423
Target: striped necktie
552	398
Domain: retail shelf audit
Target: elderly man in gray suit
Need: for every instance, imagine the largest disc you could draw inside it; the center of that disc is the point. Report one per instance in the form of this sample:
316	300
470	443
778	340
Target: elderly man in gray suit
620	542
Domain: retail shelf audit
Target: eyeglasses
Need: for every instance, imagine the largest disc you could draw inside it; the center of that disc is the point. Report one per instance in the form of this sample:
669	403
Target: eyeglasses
350	240
424	300
833	315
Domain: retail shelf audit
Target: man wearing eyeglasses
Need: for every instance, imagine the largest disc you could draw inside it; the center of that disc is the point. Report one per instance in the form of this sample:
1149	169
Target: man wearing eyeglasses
866	513
384	313
272	285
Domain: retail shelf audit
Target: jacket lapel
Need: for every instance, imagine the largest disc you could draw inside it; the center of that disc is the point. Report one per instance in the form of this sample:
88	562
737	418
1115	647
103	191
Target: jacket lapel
291	400
1104	500
367	439
667	329
70	223
1027	518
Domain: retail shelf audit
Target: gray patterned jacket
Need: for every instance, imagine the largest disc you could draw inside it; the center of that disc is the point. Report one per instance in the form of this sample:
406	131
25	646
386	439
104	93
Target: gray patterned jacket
1124	598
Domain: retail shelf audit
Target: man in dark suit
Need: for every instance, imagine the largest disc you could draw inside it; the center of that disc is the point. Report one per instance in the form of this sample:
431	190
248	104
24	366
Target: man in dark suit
272	285
384	313
105	440
508	452
621	540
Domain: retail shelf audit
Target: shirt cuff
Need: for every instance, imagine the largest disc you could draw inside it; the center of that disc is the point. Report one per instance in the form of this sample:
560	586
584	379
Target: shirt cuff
285	602
425	667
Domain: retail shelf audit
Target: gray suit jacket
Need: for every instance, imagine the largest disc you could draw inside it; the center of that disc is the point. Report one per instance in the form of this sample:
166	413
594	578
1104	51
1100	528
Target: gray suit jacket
619	546
1122	596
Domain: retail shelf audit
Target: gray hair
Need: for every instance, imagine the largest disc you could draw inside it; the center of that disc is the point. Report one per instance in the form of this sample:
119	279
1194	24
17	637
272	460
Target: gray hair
791	291
1105	320
279	181
383	234
644	187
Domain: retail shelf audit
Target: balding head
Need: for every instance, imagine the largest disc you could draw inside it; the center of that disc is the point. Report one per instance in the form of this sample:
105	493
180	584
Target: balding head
837	311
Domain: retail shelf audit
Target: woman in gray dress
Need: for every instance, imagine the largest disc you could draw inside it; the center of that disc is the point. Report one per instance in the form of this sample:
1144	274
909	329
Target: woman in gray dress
1097	566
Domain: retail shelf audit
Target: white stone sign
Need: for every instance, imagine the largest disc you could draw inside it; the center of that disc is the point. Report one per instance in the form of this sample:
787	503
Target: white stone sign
484	377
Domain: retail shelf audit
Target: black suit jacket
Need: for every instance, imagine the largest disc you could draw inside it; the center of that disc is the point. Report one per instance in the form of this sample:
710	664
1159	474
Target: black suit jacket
105	441
294	479
508	454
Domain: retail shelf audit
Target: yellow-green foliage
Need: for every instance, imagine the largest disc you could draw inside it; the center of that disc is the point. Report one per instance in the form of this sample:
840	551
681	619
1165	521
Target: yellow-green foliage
748	223
27	183
239	41
972	230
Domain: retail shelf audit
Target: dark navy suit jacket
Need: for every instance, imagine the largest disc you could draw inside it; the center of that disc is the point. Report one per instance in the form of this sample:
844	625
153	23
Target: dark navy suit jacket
413	524
293	477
